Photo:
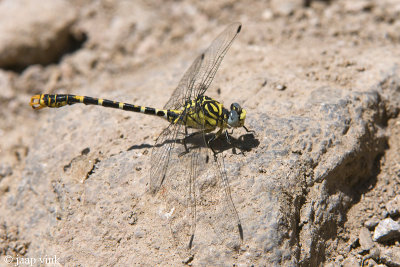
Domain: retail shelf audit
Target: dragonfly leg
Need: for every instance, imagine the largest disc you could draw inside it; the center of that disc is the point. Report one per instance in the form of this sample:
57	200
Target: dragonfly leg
247	130
187	135
212	139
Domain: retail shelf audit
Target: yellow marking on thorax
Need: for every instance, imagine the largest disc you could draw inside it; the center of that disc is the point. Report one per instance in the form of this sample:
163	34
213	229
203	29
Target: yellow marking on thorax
121	105
100	102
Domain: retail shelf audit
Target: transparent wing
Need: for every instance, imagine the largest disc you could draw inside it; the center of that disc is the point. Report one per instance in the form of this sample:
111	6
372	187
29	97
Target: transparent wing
200	203
199	76
199	191
232	215
184	175
173	174
181	196
161	155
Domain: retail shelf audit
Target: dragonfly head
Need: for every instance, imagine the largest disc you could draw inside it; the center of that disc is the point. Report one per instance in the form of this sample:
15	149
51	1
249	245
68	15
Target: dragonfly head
237	115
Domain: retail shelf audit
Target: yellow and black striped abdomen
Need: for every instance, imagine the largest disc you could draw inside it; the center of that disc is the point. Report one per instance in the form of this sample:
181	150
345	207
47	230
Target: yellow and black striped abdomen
60	100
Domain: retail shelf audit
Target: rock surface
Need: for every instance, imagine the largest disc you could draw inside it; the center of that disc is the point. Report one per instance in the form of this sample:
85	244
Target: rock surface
320	82
33	31
371	223
366	242
386	230
393	206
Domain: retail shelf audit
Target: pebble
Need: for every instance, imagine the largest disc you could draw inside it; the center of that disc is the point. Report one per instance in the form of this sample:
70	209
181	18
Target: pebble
387	229
393	206
391	256
365	239
280	87
5	170
350	262
371	223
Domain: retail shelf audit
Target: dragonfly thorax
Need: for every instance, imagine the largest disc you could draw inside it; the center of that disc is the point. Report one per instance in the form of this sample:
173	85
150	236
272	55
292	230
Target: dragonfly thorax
208	114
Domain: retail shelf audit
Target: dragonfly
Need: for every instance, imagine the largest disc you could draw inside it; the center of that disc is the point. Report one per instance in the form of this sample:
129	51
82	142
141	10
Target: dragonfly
182	149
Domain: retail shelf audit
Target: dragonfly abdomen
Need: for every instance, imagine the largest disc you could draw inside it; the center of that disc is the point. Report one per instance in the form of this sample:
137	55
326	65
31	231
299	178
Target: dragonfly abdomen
60	100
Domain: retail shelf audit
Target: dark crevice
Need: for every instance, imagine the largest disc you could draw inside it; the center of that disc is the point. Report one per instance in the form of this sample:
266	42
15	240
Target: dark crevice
53	55
92	169
352	178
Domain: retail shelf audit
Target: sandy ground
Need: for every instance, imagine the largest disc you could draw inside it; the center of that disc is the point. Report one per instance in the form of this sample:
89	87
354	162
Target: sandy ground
74	182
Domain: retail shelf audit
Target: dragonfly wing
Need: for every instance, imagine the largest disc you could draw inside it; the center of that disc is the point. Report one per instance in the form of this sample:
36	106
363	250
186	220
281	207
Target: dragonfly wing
161	156
199	76
181	198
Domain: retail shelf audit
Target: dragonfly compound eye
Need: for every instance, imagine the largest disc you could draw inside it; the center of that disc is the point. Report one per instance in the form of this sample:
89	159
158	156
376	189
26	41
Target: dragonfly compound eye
236	107
233	119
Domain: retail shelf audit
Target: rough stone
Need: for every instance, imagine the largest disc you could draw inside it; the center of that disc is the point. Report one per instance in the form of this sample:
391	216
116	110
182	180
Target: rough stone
316	143
365	239
371	223
285	7
5	170
41	34
351	262
393	206
386	230
391	256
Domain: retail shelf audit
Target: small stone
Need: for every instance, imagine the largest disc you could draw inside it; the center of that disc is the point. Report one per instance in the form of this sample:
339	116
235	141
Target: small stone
350	262
357	6
267	14
132	218
285	7
280	87
391	256
365	239
371	223
370	262
387	229
5	170
385	213
393	206
375	253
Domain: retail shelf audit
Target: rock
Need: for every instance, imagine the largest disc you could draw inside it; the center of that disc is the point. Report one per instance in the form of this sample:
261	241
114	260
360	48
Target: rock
386	230
315	142
393	206
280	87
369	262
286	7
351	262
375	253
371	223
41	34
267	14
357	5
365	239
5	170
391	256
5	85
